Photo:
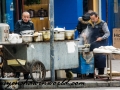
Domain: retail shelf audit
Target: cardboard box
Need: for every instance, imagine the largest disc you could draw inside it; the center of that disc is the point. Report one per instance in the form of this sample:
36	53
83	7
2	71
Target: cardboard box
116	41
61	74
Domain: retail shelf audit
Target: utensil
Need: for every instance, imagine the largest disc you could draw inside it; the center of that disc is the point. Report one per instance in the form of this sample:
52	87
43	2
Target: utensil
27	32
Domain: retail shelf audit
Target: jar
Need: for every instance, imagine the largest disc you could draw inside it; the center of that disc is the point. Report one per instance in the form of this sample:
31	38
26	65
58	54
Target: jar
41	13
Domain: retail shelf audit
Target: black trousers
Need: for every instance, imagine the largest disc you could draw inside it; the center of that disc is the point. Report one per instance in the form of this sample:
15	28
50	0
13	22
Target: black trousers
100	71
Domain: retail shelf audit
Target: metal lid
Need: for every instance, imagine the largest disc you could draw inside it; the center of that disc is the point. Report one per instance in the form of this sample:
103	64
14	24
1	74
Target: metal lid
4	24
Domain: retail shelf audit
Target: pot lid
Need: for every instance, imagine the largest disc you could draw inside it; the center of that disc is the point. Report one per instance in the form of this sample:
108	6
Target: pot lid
27	35
59	29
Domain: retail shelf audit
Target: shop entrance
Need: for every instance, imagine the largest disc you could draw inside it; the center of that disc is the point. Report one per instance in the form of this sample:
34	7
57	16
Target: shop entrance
2	11
87	5
90	5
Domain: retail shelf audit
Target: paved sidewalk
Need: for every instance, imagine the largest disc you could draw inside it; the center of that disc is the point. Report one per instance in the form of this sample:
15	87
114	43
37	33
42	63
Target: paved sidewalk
71	84
77	83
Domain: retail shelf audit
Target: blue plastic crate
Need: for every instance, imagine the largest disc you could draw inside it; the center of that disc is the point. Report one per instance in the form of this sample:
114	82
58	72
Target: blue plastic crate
87	68
84	68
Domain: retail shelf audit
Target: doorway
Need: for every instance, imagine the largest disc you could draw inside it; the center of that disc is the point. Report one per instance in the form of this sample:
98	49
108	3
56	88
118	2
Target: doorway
2	11
87	5
90	5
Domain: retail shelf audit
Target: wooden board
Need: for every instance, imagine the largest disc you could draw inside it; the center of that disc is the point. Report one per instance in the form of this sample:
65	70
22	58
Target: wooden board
39	23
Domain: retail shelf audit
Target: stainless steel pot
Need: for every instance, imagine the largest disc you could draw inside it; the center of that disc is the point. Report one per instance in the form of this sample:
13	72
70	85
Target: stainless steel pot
69	34
4	32
59	35
38	37
27	38
46	35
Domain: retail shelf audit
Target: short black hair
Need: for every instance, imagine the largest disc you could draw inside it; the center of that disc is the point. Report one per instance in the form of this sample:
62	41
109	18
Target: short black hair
94	13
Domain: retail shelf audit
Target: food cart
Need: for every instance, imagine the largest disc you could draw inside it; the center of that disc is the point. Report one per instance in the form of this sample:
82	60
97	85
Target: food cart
34	57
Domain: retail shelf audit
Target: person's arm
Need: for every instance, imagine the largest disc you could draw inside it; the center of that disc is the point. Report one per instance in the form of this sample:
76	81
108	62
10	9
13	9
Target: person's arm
79	27
106	31
32	27
17	27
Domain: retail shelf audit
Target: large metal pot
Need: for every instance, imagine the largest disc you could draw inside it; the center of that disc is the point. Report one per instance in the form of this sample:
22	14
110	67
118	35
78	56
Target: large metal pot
59	35
38	37
4	32
27	38
46	35
69	34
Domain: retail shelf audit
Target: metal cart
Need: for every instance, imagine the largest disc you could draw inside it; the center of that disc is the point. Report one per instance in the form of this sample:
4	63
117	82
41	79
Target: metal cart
37	56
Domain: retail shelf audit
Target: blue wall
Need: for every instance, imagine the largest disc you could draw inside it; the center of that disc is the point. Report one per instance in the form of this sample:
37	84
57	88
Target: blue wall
10	14
103	9
109	17
67	12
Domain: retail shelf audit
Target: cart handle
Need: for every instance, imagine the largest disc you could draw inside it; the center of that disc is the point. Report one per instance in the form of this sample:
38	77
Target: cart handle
14	57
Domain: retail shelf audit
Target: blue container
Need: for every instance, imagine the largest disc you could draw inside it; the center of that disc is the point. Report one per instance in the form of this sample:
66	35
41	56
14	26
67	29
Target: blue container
10	14
84	68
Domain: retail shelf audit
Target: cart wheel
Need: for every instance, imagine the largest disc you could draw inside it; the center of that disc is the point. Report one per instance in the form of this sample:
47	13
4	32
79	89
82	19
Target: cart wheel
69	75
37	71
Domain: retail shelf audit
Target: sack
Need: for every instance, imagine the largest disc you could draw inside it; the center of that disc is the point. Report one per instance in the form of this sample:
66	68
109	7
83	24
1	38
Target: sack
88	56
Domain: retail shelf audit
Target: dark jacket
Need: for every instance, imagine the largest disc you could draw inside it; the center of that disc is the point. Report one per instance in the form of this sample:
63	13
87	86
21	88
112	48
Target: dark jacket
82	23
98	30
21	26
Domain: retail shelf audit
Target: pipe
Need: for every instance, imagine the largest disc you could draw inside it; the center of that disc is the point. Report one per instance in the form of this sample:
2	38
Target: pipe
17	10
100	11
51	19
107	11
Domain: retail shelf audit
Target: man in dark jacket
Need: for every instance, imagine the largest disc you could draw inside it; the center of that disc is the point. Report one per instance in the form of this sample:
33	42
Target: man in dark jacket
21	25
83	22
24	24
98	36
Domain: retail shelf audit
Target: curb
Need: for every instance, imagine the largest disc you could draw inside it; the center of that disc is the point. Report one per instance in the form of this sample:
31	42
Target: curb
71	85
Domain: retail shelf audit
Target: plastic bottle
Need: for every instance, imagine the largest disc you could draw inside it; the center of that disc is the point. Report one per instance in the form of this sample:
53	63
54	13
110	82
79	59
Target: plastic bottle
11	6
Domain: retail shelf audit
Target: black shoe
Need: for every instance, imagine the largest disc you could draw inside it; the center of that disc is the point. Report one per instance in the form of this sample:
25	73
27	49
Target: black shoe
91	75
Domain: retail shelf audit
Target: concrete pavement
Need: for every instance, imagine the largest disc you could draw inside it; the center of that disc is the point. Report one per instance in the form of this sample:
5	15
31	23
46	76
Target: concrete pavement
101	88
71	84
77	83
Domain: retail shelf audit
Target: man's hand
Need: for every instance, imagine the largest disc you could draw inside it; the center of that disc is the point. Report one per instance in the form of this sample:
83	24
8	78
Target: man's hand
99	39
